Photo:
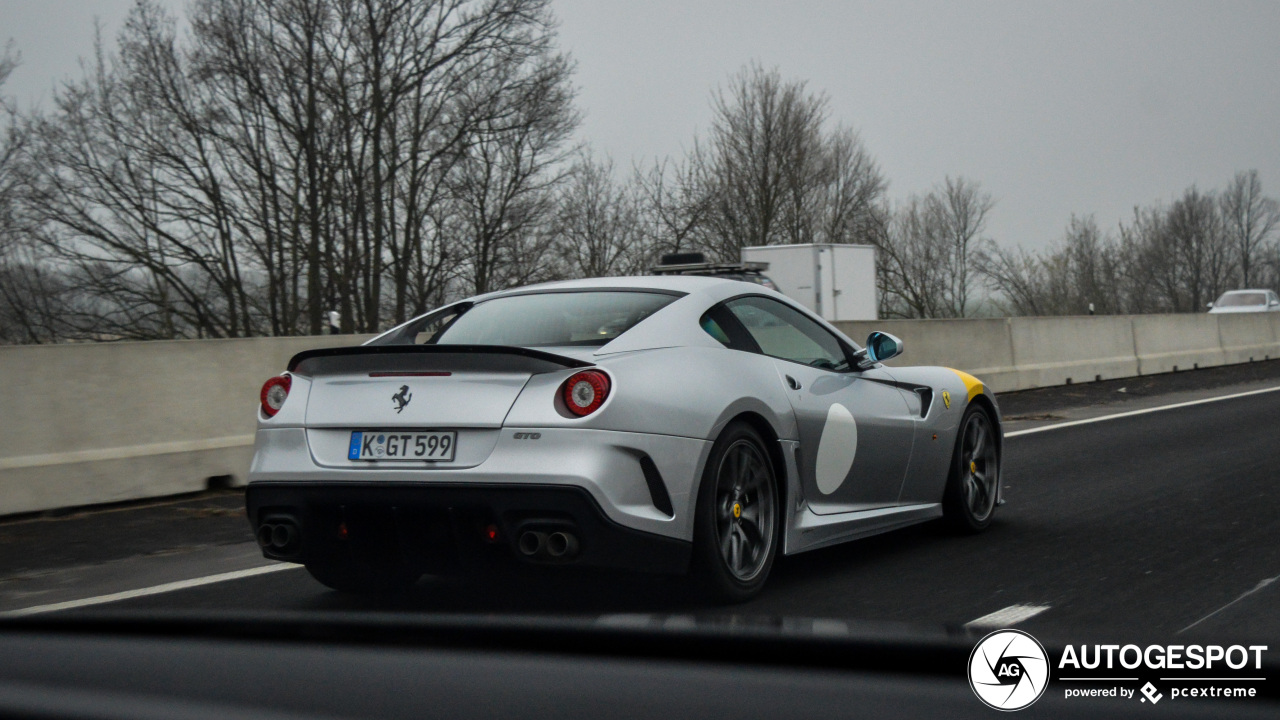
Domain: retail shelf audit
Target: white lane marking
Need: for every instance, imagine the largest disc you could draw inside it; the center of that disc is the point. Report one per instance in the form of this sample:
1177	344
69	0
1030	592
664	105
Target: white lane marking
1007	617
1131	413
1261	584
153	590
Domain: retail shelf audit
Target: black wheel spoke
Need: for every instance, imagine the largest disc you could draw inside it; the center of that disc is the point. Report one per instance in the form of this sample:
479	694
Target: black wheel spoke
751	531
737	559
980	496
745	468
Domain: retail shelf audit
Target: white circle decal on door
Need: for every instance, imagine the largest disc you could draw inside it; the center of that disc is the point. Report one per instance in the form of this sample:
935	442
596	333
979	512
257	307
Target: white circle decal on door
836	449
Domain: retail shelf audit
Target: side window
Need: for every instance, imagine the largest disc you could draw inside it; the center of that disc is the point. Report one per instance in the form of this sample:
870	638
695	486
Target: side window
713	329
431	331
720	324
785	333
425	330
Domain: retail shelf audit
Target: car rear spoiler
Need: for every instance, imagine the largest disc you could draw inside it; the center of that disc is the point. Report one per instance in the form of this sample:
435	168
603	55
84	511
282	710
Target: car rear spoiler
497	358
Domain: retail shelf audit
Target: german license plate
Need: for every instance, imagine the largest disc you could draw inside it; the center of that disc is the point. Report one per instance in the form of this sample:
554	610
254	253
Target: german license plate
434	446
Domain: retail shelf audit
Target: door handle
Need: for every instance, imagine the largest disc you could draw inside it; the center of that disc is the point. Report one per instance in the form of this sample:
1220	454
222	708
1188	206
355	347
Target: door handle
793	383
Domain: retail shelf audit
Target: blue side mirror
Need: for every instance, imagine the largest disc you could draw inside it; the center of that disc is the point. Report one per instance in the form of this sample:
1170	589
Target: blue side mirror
883	346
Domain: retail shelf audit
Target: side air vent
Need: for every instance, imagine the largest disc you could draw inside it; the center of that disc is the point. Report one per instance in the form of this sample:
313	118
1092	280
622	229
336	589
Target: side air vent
657	488
926	399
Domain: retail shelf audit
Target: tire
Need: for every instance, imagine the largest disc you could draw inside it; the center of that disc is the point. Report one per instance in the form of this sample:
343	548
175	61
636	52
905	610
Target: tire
356	576
969	501
737	525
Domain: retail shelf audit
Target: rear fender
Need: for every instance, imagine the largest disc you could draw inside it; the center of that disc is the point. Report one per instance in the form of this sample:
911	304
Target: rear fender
688	392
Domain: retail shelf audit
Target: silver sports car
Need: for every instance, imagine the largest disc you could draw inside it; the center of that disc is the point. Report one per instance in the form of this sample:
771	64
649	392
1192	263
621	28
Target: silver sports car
663	424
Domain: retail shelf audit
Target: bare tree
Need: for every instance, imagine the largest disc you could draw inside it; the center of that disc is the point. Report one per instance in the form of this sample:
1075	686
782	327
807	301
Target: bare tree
1078	275
25	295
595	223
1023	280
961	207
289	157
1167	258
848	208
10	145
503	185
672	206
929	252
765	137
122	192
912	261
769	172
1183	254
1250	219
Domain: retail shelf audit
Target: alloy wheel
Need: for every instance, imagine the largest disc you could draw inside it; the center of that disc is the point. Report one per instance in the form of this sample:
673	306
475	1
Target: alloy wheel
979	467
745	510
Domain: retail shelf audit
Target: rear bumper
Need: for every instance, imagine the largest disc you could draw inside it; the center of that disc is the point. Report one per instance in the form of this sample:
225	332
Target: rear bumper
443	527
641	481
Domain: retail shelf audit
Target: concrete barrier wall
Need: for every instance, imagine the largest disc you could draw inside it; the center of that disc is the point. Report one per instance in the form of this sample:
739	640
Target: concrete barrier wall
1028	352
95	423
987	351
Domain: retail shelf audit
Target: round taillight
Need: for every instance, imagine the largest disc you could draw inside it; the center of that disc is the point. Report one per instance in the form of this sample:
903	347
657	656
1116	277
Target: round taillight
585	392
274	392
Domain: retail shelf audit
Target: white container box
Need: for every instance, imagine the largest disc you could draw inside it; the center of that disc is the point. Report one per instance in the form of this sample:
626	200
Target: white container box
837	282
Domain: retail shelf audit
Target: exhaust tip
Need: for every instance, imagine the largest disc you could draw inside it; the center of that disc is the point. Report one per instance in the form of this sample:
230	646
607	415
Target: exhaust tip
562	544
283	536
280	537
531	543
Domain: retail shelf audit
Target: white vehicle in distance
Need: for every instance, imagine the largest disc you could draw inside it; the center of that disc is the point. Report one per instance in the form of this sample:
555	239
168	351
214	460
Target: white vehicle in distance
1245	301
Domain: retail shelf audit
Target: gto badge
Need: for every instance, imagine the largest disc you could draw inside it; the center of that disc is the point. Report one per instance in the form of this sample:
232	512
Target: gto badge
946	399
402	398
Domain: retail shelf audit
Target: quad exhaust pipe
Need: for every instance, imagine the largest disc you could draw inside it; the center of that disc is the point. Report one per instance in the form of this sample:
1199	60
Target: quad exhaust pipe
281	537
532	543
562	545
558	545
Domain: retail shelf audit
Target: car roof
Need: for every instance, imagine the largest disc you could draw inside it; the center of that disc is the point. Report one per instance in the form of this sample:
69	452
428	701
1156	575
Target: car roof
672	283
674	325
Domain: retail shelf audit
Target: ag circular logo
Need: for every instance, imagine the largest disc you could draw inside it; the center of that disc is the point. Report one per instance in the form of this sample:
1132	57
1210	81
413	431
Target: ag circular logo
1008	670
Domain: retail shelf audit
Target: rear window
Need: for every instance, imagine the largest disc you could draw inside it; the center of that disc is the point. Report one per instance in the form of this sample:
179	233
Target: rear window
1239	299
588	318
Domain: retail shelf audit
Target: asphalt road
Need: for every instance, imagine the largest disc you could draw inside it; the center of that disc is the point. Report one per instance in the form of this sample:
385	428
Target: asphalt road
1139	526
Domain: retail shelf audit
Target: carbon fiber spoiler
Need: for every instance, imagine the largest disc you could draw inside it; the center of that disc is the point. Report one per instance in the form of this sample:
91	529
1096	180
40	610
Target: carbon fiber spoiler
430	357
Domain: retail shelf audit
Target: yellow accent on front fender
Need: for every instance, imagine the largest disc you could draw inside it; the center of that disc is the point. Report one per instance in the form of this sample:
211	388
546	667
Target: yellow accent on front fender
971	383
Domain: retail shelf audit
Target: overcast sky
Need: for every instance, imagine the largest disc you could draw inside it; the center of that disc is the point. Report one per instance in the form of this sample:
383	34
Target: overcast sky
1056	108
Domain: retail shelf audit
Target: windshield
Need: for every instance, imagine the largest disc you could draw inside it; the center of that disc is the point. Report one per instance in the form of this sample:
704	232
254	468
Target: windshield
1241	299
552	319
